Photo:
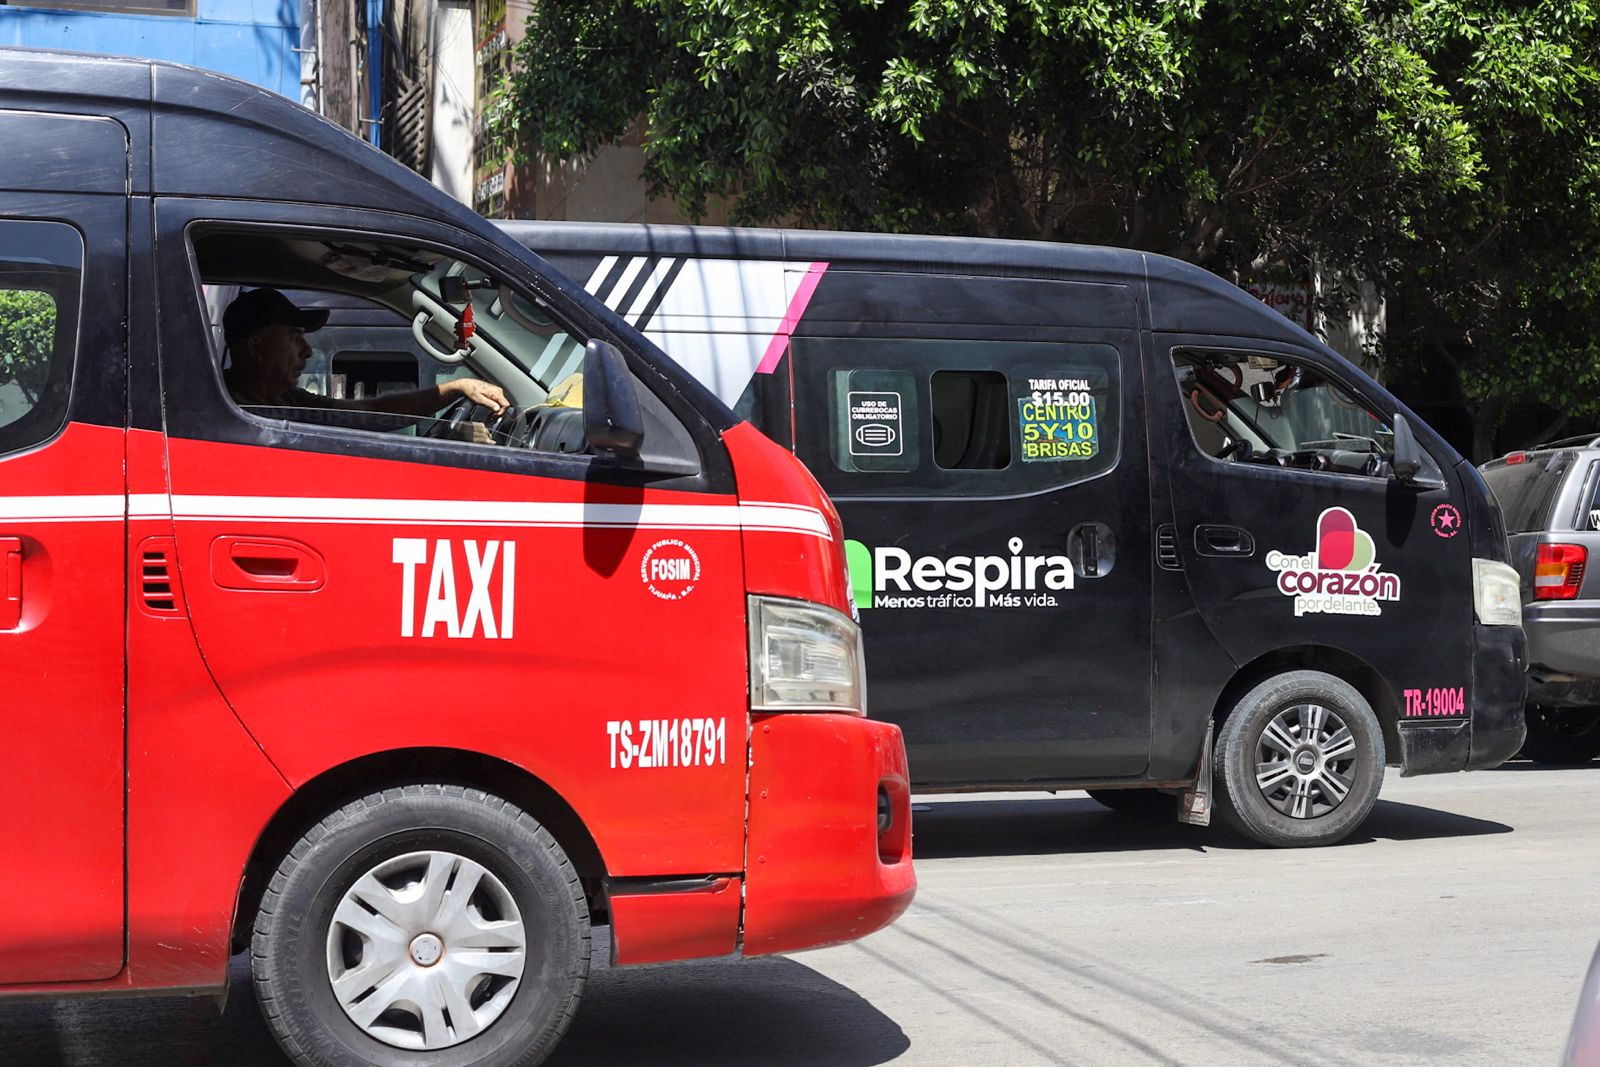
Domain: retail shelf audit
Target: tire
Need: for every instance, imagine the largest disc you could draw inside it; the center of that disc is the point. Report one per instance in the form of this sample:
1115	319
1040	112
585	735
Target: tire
1138	803
1318	719
1562	735
334	905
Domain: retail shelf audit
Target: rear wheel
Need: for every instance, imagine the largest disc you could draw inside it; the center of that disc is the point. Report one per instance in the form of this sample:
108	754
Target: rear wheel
1298	761
1138	803
1562	735
429	925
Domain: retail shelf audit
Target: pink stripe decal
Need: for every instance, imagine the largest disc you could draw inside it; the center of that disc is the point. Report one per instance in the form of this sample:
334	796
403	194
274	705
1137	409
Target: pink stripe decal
797	308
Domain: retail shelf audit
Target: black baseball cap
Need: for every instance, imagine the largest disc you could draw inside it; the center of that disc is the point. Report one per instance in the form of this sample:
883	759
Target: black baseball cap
260	308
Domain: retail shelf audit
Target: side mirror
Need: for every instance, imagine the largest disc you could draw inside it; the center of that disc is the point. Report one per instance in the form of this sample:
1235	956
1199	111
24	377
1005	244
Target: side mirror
1407	463
612	422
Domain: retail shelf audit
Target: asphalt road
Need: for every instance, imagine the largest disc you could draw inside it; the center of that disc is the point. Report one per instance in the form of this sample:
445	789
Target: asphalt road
1455	928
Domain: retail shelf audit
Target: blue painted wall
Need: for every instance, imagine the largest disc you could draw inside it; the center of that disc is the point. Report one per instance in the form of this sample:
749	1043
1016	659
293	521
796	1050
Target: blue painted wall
249	39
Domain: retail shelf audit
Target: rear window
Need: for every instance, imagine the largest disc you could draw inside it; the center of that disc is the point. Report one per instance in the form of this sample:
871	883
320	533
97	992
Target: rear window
1526	491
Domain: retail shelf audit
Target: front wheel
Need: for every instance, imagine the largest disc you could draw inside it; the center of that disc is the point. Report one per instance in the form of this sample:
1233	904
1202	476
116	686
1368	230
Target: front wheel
427	926
1299	761
1562	735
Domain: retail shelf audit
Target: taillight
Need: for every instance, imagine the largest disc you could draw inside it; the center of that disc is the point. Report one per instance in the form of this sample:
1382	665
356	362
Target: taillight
1516	457
1558	571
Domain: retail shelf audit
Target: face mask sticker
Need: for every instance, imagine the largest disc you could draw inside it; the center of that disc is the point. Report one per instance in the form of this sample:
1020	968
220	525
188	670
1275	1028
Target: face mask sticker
875	424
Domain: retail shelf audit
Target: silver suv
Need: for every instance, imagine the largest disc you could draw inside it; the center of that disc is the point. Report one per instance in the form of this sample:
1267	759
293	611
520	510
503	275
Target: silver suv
1550	497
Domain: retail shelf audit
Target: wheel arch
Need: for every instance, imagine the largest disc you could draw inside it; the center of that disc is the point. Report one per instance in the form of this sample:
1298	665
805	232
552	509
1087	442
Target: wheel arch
383	770
1334	661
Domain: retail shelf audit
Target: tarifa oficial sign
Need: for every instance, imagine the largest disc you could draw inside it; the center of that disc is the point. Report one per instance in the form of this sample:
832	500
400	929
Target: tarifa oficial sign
891	577
1341	576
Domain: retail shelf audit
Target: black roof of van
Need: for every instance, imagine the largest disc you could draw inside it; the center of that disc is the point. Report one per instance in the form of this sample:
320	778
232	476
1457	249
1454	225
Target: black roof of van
196	133
1183	297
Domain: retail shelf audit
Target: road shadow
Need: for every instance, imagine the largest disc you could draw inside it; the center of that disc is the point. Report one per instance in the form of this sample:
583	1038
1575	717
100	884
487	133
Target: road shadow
1529	765
1066	825
771	1011
721	1012
1393	821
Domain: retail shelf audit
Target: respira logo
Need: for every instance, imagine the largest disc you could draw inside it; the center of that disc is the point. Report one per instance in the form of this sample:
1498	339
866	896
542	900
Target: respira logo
889	577
1341	576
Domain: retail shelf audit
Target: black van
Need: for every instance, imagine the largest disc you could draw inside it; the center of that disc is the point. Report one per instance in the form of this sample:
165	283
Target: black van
1115	524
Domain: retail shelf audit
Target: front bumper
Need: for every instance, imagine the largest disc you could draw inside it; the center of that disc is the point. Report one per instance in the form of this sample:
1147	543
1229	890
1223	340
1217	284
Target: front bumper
1494	728
1499	694
829	855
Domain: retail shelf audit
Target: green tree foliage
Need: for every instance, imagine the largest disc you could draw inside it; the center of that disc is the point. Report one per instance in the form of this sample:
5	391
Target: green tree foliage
27	335
1446	148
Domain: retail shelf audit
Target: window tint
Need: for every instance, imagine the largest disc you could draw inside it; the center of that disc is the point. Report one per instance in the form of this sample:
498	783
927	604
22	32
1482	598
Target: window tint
385	336
1249	407
970	428
896	417
1526	491
41	266
876	423
367	369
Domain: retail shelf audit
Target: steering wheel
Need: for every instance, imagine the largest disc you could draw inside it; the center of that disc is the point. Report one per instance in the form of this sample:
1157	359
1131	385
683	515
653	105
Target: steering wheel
509	426
1239	446
456	413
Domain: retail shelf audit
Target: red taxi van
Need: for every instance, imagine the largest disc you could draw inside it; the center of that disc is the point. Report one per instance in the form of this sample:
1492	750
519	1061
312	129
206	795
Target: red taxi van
401	699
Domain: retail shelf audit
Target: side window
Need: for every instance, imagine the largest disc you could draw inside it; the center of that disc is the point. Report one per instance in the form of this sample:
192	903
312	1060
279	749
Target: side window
896	417
1250	407
875	419
388	338
41	268
1590	519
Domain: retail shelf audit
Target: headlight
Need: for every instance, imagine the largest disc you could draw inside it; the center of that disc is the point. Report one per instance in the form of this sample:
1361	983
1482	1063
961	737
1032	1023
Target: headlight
804	657
1496	593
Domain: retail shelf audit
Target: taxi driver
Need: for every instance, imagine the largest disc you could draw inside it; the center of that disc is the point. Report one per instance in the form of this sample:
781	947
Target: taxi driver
267	349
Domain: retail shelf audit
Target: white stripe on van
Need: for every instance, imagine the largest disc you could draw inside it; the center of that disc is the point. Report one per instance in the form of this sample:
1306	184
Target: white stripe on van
624	283
651	284
755	515
599	275
63	508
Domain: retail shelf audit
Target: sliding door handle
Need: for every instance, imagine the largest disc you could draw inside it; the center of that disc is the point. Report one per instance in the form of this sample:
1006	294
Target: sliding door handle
1217	540
266	563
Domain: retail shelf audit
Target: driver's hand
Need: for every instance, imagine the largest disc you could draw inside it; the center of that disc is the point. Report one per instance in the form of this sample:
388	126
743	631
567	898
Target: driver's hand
485	393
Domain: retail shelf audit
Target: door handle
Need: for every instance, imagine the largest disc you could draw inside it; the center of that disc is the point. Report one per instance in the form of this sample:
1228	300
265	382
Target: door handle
266	563
11	579
1218	540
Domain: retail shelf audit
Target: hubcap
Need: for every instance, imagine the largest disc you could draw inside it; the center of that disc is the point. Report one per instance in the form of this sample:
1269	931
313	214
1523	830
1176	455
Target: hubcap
1306	761
426	950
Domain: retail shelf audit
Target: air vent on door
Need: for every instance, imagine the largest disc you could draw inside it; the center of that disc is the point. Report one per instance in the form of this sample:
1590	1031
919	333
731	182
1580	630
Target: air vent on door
1167	547
156	575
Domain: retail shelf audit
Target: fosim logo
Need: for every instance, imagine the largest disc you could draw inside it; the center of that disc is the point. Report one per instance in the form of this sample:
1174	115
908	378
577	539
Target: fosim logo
670	569
879	576
1341	576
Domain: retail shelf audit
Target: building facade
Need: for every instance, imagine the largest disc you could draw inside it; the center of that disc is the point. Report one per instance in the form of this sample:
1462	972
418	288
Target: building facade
319	52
